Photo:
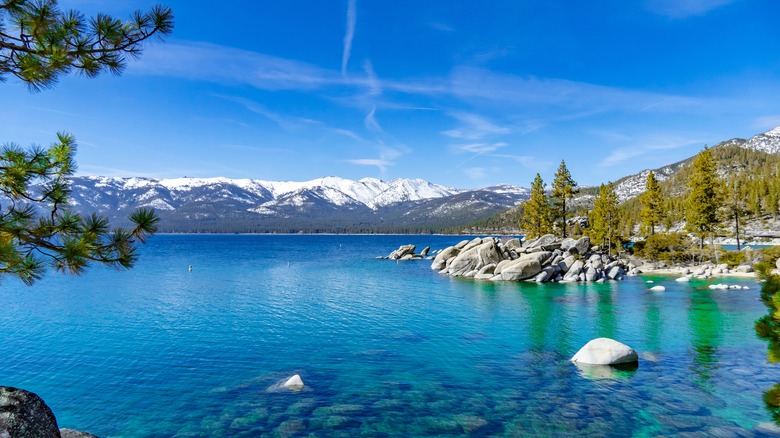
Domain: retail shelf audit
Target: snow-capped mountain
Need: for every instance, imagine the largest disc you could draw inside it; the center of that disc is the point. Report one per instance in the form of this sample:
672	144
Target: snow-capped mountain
322	204
768	142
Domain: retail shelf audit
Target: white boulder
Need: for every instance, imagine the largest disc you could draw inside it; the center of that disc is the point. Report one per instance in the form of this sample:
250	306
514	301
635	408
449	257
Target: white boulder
657	288
683	279
605	351
294	382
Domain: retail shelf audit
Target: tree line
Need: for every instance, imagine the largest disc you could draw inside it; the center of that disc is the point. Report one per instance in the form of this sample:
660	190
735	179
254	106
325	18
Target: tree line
711	195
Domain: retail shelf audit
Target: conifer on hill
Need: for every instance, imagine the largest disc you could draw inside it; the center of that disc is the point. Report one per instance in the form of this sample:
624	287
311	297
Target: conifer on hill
536	220
704	197
563	188
652	200
604	218
38	43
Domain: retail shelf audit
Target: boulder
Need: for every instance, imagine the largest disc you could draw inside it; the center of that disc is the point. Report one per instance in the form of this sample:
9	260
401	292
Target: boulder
591	274
605	351
425	251
520	270
294	382
540	256
547	274
513	244
574	271
545	240
567	243
566	264
581	246
24	414
487	269
440	262
777	263
615	273
402	251
473	243
683	279
657	288
744	269
475	258
501	265
461	244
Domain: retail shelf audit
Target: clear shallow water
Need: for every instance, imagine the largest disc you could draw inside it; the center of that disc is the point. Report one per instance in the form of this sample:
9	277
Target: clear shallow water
385	348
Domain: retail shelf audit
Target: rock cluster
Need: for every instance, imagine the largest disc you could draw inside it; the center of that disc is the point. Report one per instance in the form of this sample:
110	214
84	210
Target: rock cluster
406	252
710	269
544	259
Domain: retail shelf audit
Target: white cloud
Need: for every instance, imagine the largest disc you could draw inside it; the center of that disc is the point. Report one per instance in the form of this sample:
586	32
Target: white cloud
474	127
645	146
228	65
371	123
374	86
379	163
347	133
441	27
349	34
387	157
479	148
678	9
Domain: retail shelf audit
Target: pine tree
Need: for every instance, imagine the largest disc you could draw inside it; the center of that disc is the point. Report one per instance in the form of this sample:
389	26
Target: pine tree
704	197
38	43
536	220
604	218
563	188
652	200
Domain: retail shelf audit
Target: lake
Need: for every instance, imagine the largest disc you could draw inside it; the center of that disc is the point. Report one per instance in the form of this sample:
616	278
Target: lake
385	348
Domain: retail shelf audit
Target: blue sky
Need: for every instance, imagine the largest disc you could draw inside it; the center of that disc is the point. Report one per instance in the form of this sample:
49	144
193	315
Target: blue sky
461	93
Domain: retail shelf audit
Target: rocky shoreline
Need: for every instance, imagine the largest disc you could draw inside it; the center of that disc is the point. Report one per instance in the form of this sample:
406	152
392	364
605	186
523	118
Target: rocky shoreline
551	259
541	260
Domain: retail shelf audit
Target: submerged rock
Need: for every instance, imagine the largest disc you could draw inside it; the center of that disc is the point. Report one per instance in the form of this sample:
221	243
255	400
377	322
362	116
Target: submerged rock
657	288
294	382
605	351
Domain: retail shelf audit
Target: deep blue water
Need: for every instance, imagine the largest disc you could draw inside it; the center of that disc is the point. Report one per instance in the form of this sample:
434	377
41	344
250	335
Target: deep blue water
385	348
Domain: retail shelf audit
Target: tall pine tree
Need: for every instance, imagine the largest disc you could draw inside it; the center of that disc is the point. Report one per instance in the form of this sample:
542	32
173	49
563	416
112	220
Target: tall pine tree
652	212
563	188
536	220
704	197
604	218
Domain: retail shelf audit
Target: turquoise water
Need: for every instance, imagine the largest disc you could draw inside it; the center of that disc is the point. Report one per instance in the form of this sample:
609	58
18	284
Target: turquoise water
385	348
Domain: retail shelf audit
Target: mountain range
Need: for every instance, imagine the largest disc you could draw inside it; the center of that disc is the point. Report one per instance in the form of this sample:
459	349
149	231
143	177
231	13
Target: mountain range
329	204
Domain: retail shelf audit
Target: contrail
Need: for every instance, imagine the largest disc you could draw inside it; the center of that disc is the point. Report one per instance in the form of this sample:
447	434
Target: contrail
351	17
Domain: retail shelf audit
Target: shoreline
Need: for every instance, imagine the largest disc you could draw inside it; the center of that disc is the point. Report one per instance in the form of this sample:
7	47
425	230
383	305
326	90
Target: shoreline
672	272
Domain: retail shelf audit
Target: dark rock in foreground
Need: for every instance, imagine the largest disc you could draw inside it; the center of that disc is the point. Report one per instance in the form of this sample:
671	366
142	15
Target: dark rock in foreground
24	414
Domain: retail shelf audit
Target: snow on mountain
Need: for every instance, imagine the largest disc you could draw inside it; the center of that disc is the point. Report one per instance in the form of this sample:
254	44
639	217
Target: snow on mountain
634	185
261	197
768	142
405	190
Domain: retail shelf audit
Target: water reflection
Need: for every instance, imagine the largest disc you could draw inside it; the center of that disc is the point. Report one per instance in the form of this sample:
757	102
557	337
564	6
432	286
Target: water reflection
606	322
705	323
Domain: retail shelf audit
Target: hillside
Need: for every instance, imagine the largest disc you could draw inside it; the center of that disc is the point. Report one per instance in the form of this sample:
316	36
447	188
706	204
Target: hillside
749	165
